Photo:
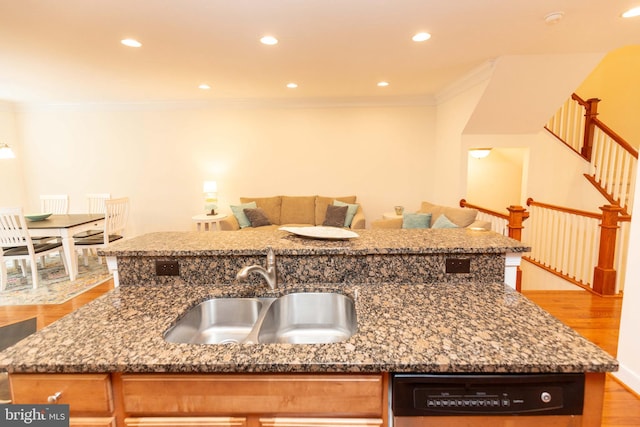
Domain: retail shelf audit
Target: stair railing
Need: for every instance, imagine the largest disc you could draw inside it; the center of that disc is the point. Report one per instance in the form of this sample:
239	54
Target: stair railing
612	160
506	224
584	248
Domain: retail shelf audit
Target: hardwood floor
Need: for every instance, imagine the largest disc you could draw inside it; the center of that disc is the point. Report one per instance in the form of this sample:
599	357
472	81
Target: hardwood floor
596	318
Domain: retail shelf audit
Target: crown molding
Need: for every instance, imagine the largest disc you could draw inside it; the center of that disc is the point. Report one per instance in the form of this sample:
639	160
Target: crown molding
474	77
235	103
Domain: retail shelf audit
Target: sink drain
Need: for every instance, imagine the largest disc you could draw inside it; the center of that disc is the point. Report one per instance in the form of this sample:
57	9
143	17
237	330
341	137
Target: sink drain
229	341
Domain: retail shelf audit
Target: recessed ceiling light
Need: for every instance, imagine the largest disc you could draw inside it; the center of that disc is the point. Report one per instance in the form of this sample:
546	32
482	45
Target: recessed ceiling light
553	17
204	86
420	37
292	85
270	40
383	84
632	13
131	43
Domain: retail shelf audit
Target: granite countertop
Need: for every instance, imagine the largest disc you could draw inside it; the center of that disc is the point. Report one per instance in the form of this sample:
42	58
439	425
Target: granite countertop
254	242
403	328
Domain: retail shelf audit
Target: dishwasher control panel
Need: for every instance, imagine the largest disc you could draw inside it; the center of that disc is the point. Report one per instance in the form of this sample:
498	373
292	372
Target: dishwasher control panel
478	394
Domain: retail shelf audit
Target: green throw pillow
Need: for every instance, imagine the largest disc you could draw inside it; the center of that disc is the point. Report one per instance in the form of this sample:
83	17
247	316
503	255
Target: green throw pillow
416	220
238	212
443	222
351	211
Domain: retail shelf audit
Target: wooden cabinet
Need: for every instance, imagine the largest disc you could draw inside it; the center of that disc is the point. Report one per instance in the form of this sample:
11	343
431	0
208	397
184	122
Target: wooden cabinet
89	396
212	400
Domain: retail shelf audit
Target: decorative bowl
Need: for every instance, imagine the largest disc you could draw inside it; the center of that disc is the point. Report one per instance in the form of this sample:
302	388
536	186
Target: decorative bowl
37	217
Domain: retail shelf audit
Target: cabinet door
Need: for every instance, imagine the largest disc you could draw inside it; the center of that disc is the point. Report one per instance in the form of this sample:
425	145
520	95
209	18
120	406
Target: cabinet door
185	422
86	394
320	422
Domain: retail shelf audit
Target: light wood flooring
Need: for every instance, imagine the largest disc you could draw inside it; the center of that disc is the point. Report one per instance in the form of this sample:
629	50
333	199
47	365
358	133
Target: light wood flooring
596	318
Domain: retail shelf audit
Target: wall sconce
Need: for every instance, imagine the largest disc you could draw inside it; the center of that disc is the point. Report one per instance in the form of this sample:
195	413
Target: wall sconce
6	152
210	190
479	153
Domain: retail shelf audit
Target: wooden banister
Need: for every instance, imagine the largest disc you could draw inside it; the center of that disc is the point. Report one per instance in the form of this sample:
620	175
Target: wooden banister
531	202
465	204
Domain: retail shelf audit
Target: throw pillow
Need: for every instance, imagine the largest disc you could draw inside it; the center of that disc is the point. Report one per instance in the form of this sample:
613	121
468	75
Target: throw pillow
416	220
335	216
238	212
351	212
257	217
443	222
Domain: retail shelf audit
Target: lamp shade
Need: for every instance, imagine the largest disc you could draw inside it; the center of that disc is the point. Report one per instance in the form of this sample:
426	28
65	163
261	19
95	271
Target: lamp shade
210	187
6	152
479	153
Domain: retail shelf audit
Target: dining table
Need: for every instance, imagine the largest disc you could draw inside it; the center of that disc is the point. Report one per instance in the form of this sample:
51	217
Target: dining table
65	227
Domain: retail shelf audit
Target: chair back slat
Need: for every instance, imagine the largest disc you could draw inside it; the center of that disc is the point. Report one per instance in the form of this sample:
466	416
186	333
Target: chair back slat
116	215
96	202
13	228
54	203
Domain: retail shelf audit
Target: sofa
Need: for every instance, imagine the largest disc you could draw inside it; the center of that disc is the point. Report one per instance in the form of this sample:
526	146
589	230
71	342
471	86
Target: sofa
292	211
431	215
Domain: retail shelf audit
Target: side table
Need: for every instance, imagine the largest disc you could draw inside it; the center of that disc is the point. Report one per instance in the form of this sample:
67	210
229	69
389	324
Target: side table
206	222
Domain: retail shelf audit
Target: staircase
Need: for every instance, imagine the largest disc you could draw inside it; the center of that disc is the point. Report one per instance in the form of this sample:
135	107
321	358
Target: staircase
587	249
612	160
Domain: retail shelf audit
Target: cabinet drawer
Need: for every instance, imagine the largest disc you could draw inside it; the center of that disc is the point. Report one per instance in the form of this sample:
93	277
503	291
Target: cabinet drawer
92	422
320	422
185	422
85	393
235	394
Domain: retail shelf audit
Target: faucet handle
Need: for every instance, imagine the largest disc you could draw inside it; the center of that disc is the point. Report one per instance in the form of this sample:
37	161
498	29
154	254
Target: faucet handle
271	256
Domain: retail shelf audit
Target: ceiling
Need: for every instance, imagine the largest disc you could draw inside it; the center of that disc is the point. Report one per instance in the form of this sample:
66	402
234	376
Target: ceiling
69	51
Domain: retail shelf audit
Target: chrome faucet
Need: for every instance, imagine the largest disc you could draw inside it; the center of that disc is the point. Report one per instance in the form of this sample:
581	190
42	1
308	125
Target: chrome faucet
268	273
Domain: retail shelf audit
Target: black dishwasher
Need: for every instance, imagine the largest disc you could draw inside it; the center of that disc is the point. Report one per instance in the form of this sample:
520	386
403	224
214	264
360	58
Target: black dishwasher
494	395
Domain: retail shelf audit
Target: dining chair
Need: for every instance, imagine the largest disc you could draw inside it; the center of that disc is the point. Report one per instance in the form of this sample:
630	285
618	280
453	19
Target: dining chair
96	202
16	244
54	203
96	205
116	215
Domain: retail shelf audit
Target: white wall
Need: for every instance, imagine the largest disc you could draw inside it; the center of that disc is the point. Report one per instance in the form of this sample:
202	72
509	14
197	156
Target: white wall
159	158
629	338
11	173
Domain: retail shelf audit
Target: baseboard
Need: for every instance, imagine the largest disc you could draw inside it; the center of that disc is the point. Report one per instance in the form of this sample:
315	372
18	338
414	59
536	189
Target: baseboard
629	378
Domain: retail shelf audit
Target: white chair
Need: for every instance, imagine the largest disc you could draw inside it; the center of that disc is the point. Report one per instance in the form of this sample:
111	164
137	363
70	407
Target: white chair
16	244
96	202
95	206
116	215
54	203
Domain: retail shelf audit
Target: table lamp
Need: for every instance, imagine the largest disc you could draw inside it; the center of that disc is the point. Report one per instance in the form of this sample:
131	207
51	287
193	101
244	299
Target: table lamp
210	189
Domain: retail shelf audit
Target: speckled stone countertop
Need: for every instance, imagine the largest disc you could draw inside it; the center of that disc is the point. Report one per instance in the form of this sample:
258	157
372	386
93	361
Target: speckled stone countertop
401	328
253	242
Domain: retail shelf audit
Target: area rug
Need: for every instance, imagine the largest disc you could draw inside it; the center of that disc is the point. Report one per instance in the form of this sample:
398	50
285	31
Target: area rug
54	286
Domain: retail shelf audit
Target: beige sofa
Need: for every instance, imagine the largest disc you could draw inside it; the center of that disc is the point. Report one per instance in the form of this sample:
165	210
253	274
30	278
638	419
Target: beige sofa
461	217
293	210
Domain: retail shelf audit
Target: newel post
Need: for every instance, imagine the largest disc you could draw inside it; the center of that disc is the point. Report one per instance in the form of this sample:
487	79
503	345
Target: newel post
591	111
604	275
517	215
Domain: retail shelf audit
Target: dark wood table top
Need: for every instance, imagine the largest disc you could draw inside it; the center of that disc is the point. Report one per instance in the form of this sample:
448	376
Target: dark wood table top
64	221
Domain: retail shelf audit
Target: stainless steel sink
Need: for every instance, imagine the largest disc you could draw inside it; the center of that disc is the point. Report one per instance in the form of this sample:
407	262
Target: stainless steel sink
298	318
217	321
309	318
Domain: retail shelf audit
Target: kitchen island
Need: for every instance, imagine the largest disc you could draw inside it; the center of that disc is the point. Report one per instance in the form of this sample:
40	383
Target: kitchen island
110	360
376	256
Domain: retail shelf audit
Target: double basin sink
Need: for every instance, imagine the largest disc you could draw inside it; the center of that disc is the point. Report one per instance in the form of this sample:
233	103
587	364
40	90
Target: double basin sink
297	318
